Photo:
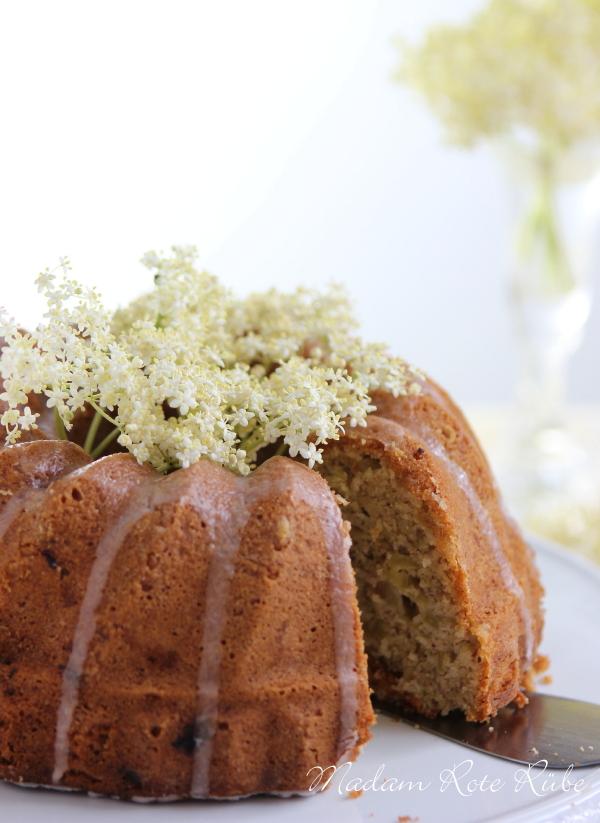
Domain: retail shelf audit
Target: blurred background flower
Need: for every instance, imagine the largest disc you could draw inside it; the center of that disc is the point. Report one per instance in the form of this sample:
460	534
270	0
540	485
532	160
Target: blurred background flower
522	68
272	136
522	77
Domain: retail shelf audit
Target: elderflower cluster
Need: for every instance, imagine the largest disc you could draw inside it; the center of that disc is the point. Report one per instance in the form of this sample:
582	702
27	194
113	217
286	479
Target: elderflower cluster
528	65
189	371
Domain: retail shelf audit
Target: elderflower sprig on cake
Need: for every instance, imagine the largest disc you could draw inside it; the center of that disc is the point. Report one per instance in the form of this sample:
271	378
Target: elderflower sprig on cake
188	371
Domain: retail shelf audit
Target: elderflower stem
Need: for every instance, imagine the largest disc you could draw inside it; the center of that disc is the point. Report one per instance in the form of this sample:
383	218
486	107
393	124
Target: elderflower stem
253	441
281	448
92	432
104	443
540	233
60	426
100	410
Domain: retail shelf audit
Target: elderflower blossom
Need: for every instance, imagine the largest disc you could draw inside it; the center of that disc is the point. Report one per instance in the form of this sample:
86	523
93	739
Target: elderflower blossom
188	371
528	65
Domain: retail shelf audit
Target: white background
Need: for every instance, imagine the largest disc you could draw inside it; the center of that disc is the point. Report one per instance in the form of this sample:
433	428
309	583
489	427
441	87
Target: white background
271	136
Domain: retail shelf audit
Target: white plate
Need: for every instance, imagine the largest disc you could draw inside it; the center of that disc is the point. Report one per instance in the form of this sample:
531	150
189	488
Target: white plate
572	639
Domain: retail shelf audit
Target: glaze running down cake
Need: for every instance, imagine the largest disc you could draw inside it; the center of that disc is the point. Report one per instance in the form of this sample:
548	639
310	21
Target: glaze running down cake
189	635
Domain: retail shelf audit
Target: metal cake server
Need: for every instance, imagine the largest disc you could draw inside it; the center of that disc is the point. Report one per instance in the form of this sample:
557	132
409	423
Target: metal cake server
561	731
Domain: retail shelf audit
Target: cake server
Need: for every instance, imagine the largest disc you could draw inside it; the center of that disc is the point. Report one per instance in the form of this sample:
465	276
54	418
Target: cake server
561	731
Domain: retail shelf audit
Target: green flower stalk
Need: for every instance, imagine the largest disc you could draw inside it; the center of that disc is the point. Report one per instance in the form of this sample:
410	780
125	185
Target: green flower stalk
540	236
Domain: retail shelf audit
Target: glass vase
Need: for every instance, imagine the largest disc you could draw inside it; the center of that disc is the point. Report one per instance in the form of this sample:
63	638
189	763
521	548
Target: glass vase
550	477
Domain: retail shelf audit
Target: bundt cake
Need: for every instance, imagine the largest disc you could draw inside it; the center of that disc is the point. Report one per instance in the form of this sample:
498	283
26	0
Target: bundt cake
197	635
175	628
448	590
190	635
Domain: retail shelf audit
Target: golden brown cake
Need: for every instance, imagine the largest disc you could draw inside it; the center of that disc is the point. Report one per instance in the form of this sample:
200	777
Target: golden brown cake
448	590
184	617
197	634
189	635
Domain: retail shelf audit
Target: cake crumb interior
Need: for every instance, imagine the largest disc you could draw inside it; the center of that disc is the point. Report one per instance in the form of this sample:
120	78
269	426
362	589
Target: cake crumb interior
419	651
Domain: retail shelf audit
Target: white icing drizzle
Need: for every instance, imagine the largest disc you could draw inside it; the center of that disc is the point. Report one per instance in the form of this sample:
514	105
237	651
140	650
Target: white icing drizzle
49	467
342	591
226	513
508	576
261	485
209	500
486	525
106	552
229	520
